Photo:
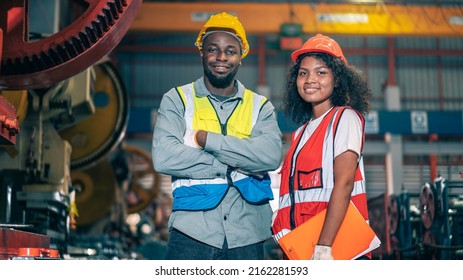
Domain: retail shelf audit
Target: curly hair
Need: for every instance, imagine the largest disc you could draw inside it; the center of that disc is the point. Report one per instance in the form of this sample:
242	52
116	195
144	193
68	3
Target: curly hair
351	89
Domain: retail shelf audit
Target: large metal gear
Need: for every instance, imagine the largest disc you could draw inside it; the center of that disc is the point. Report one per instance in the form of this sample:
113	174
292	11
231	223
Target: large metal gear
96	193
96	136
145	182
428	205
42	63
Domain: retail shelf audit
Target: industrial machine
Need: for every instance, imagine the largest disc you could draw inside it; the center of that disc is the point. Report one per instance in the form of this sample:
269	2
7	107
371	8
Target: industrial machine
423	225
63	116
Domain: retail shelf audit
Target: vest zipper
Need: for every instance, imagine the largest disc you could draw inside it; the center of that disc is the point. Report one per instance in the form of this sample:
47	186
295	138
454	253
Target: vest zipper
291	196
292	219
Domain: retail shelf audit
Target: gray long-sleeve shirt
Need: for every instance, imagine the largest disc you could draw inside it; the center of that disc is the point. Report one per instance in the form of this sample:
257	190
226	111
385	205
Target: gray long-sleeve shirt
234	219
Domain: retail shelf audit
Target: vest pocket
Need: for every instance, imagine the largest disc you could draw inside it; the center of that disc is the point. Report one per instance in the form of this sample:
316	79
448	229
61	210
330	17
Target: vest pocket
207	114
207	120
310	179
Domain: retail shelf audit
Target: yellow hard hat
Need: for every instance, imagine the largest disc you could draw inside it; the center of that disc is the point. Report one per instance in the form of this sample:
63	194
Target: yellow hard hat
228	23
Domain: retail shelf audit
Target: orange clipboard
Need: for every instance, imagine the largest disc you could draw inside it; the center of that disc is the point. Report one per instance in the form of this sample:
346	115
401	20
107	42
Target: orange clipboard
354	239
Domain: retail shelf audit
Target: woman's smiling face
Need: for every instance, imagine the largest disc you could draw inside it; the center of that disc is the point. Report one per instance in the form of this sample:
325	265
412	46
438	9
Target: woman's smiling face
315	83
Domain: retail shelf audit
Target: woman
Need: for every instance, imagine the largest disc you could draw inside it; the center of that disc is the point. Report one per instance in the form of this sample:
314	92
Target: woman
323	168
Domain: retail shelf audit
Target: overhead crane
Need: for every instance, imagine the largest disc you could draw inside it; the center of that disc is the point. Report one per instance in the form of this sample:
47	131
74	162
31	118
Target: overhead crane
342	19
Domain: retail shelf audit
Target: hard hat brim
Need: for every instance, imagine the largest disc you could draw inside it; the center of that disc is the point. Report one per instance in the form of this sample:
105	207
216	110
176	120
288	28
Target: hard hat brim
299	52
223	31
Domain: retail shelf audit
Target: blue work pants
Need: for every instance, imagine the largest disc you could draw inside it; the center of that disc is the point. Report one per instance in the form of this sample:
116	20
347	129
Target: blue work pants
183	247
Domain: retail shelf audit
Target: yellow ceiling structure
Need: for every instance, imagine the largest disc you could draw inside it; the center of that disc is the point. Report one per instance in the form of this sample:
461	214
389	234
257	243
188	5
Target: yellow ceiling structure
264	18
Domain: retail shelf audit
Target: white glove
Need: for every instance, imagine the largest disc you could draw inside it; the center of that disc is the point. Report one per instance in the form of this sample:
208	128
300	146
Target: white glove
189	139
322	252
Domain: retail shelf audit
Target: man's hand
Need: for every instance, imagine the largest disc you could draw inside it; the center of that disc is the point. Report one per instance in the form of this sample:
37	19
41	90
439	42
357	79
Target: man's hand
322	252
189	139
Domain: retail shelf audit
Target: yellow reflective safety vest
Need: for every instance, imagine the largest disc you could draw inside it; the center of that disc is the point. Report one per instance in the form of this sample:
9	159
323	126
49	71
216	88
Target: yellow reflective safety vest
200	114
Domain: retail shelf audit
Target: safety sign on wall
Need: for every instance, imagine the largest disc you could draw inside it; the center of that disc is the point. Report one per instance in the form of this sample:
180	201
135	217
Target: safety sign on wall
372	123
419	121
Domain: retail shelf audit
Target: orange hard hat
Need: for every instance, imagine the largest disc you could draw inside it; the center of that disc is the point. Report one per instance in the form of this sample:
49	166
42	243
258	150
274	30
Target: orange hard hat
229	24
320	43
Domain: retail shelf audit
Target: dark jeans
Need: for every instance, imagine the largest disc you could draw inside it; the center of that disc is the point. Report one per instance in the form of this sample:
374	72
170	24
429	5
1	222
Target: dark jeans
183	247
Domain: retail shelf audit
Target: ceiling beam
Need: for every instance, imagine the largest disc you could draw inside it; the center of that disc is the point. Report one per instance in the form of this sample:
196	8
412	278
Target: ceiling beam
265	18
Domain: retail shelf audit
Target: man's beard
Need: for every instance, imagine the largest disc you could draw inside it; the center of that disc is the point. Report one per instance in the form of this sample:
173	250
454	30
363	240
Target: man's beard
220	82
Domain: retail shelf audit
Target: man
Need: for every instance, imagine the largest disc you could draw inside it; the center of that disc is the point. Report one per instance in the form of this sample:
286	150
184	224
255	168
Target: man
218	140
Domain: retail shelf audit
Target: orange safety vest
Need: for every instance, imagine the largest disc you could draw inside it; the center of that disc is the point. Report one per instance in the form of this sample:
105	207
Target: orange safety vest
306	187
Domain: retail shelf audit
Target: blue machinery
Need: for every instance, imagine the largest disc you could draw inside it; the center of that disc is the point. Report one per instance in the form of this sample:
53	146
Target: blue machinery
424	225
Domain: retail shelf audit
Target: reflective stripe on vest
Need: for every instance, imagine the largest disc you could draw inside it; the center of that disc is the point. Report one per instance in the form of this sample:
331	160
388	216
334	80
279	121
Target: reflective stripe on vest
200	114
